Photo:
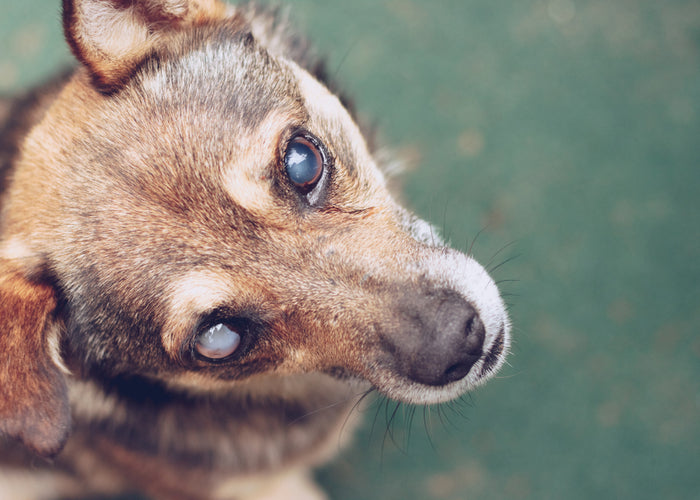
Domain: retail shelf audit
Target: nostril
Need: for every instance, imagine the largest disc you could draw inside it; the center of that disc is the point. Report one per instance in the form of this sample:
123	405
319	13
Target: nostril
474	336
458	371
469	352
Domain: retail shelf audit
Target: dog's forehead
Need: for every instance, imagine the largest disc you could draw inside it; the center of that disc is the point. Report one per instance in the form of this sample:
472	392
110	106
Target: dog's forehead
223	76
241	98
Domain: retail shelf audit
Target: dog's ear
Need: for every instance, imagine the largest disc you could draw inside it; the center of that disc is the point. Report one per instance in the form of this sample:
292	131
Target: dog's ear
33	396
112	36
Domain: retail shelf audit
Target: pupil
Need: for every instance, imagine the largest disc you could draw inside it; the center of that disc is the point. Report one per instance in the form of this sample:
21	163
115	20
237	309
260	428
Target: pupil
302	164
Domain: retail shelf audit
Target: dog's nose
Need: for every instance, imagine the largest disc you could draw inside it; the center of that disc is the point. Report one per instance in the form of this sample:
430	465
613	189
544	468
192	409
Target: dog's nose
438	339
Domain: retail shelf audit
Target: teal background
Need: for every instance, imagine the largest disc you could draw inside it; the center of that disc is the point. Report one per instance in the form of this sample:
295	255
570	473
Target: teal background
567	135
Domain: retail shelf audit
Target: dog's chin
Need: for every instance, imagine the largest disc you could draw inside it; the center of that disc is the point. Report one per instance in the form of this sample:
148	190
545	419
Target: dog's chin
401	388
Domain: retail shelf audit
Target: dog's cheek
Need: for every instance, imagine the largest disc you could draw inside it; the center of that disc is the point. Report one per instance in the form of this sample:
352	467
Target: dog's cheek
33	396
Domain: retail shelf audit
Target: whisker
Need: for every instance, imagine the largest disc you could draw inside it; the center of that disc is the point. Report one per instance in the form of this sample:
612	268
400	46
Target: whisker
456	408
342	60
328	407
507	281
389	431
438	409
382	401
450	422
430	218
352	410
426	417
509	259
409	423
471	247
446	235
507	245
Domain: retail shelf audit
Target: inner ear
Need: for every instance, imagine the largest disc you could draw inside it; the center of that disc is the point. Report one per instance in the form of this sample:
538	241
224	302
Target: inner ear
111	37
33	394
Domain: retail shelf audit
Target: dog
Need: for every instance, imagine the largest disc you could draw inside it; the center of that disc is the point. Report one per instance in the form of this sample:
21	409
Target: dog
202	268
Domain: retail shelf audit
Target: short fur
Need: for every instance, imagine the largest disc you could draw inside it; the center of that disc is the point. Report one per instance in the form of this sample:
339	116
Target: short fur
144	196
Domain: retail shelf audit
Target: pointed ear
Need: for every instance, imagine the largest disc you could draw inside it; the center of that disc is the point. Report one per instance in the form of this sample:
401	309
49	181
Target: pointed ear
111	37
33	395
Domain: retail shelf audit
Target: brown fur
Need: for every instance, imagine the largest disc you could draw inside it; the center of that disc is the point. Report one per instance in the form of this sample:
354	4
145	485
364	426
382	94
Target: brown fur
36	409
145	196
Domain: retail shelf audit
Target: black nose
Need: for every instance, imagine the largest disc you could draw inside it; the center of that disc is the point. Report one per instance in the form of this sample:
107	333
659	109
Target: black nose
437	338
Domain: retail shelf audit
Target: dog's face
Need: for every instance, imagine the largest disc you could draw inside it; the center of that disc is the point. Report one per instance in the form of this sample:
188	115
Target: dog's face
204	211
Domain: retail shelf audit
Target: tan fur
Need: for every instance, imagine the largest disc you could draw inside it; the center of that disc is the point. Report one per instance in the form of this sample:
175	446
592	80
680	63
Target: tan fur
292	485
145	200
247	180
24	485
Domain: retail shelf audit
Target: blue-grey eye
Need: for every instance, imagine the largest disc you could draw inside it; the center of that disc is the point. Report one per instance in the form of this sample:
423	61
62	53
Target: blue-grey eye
217	342
304	163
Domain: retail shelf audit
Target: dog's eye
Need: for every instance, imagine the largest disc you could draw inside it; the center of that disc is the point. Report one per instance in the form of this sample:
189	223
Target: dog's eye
217	342
304	163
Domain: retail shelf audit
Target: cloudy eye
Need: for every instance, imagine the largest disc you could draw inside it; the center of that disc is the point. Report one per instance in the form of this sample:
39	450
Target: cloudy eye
217	342
304	163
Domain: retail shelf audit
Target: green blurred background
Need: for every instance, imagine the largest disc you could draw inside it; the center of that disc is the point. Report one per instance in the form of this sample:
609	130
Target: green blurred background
569	131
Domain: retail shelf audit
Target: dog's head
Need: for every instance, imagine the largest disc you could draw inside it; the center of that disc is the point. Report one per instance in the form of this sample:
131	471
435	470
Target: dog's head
197	207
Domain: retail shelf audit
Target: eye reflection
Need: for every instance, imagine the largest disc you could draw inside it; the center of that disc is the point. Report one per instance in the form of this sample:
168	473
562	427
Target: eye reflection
217	342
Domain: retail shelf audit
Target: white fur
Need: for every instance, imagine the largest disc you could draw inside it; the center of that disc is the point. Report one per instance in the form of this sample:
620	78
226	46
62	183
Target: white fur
15	249
421	230
453	270
53	339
